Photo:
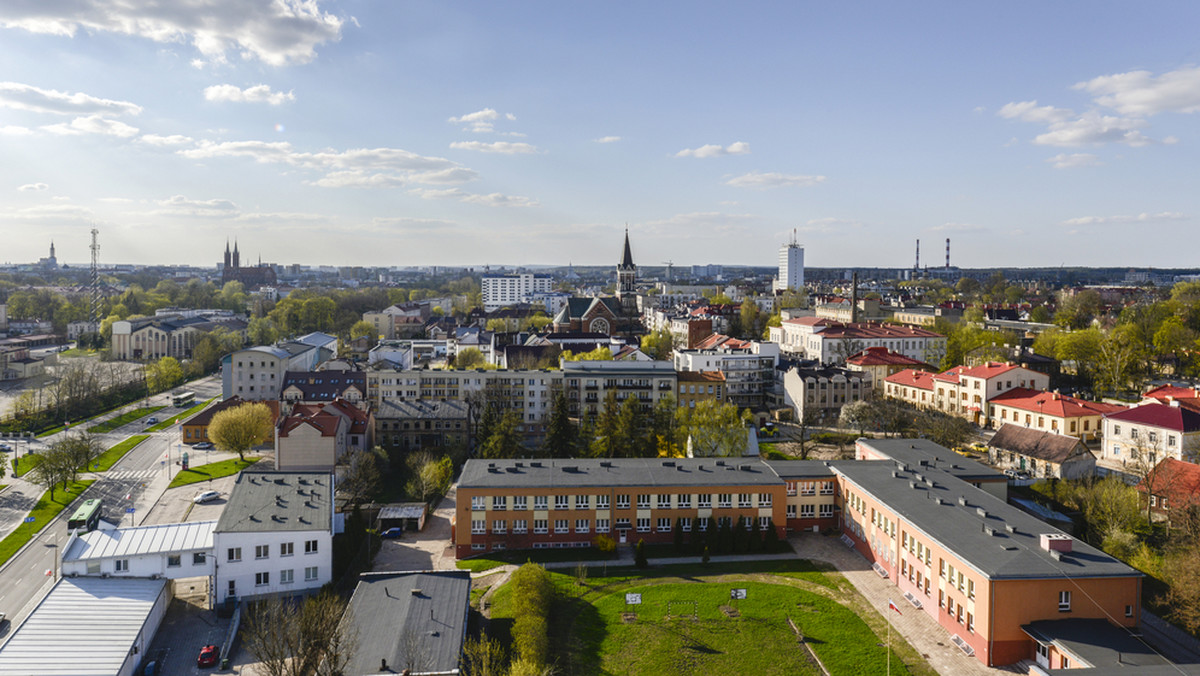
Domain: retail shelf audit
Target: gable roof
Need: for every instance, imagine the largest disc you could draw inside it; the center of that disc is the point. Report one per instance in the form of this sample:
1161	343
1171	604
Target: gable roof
1047	446
882	356
1179	481
324	385
1171	417
922	380
989	370
1053	403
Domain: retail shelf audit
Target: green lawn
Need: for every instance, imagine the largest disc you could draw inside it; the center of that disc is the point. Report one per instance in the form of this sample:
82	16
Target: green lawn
124	419
214	470
43	512
180	416
519	556
28	462
590	634
112	455
53	430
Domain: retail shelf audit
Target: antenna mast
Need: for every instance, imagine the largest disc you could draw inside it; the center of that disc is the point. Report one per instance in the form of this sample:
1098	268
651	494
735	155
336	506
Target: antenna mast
95	318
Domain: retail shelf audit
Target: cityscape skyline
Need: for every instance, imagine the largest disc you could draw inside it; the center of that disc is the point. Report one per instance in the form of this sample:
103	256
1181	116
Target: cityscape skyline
353	133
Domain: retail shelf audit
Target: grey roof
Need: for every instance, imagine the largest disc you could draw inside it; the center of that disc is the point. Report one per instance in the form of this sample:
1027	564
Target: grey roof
597	473
324	385
396	614
959	527
272	350
618	368
800	469
1097	642
117	542
1055	448
423	409
85	626
278	501
914	451
403	510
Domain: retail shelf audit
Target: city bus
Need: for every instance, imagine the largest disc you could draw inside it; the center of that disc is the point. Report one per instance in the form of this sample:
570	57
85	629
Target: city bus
183	399
86	517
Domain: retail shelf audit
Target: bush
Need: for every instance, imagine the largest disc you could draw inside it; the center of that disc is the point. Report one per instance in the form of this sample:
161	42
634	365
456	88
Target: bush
605	544
532	596
639	554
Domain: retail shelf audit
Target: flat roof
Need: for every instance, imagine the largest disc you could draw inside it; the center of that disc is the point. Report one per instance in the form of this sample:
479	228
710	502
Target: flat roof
159	539
914	451
959	526
597	473
800	469
268	501
392	611
1097	642
85	626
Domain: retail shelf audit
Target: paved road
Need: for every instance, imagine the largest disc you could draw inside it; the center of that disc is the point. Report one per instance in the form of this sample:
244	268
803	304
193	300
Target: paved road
136	482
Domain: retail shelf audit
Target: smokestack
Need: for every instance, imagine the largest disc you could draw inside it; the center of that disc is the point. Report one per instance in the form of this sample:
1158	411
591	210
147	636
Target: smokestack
853	297
917	266
947	253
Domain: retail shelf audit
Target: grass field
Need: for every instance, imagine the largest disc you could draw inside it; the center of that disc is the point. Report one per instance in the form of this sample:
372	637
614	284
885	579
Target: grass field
28	462
112	455
591	633
519	556
214	470
43	513
124	419
180	416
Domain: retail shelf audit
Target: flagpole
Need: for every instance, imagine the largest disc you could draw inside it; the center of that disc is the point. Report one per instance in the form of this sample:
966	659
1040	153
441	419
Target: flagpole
888	614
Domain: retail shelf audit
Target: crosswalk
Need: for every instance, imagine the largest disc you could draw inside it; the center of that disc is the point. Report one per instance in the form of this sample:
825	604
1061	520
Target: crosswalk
133	474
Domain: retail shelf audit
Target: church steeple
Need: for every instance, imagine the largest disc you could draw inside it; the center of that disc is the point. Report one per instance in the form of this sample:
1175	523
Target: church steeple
627	279
236	256
228	256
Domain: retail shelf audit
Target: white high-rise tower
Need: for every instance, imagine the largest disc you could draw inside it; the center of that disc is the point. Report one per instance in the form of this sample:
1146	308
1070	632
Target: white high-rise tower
791	266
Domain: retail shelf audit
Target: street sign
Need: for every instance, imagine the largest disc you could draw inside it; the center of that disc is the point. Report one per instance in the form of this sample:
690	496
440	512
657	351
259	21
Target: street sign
30	519
737	594
633	599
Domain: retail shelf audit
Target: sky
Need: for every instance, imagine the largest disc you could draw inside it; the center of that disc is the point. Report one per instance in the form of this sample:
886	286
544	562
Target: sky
398	133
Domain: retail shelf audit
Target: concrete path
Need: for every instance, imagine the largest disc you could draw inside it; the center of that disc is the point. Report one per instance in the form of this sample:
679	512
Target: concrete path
429	549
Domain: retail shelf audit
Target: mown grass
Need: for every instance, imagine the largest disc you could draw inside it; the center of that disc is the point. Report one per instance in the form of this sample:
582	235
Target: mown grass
180	416
124	419
519	556
215	470
114	454
26	464
591	635
43	513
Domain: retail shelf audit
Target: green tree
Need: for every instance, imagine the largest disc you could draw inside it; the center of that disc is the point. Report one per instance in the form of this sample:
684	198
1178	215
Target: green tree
242	427
562	435
469	358
599	354
505	439
659	345
163	374
363	328
261	331
1076	311
533	593
639	554
715	428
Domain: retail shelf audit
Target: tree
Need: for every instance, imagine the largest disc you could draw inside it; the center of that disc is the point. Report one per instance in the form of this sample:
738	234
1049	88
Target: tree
362	478
659	345
56	466
469	358
504	440
297	641
715	428
752	319
362	328
599	354
532	595
163	374
856	415
808	418
483	656
242	427
639	554
943	428
431	476
1117	355
1182	600
78	450
561	434
1076	311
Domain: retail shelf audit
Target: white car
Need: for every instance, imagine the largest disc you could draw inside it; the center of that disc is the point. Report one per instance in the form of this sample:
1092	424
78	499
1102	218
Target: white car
206	496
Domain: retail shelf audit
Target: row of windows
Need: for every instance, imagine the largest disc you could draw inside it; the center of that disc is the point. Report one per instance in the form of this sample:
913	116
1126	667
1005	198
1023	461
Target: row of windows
809	487
234	554
500	503
643	525
808	511
287	576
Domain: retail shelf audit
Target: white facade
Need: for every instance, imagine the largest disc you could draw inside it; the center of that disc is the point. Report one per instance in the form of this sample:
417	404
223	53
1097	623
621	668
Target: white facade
256	373
791	267
252	564
172	551
504	290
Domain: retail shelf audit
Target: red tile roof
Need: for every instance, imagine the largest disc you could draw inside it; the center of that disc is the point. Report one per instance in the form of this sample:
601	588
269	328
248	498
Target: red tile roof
922	380
874	330
1178	418
989	370
1179	481
700	376
1053	404
950	375
1163	392
882	356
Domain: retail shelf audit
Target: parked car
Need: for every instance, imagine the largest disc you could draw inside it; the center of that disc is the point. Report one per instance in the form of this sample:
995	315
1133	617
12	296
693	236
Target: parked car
206	496
154	664
203	446
2	619
392	533
208	656
1010	473
151	420
5	448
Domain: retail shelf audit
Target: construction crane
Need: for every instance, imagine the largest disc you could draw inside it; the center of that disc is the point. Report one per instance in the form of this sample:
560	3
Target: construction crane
670	265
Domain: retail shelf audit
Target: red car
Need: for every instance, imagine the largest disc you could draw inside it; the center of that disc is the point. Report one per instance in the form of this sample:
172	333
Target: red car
208	656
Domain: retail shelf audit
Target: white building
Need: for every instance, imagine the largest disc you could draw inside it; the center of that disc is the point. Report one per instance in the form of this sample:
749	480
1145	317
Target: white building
172	551
832	342
504	290
748	366
275	535
791	267
256	373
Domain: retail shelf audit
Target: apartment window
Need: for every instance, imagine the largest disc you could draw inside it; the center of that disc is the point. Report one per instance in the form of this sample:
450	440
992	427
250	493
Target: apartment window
664	501
1171	441
808	488
174	561
234	554
971	622
541	502
643	525
684	500
478	526
622	502
121	565
286	548
262	579
942	567
197	559
643	501
478	503
287	576
499	526
725	500
541	526
1133	432
562	526
582	525
310	573
581	502
970	589
601	502
685	524
310	546
827	488
520	503
808	511
704	501
826	511
562	502
664	525
702	524
1116	429
744	500
791	488
1128	611
764	499
500	502
941	598
622	524
1064	601
791	511
262	551
764	522
601	525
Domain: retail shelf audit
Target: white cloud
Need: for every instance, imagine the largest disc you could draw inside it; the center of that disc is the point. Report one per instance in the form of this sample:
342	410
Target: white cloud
737	148
411	224
257	94
1030	111
12	130
1074	160
27	97
178	205
492	200
963	228
829	225
92	124
501	147
1092	128
277	32
481	121
608	139
1139	92
764	180
33	187
165	141
1139	218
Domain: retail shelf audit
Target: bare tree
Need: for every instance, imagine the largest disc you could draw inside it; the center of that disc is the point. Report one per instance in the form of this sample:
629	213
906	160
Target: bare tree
289	641
415	656
271	631
483	656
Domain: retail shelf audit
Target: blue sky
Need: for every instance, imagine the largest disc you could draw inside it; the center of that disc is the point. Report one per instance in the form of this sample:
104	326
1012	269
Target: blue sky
416	133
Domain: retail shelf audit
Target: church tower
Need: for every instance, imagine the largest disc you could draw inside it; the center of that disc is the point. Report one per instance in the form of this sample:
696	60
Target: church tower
236	263
627	279
228	256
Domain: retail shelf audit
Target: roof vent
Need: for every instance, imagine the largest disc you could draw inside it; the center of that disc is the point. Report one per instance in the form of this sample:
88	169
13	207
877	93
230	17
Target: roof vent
1010	528
962	500
745	468
535	464
605	463
937	500
912	485
981	512
1056	555
520	464
668	463
720	463
417	592
989	530
572	469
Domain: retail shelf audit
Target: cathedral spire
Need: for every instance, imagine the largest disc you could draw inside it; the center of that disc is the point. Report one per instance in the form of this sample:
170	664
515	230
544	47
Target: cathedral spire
627	259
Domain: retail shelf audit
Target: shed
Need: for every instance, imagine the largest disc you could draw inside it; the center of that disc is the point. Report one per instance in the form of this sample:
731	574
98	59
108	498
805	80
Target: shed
1043	454
406	515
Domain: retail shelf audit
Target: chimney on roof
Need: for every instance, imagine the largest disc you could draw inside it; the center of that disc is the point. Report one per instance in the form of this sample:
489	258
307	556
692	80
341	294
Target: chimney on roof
1056	542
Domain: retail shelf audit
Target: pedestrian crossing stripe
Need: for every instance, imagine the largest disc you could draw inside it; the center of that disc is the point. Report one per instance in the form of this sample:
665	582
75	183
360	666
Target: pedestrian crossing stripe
131	474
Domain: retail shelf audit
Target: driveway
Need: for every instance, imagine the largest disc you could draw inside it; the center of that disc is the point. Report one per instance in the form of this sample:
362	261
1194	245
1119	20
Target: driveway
429	549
